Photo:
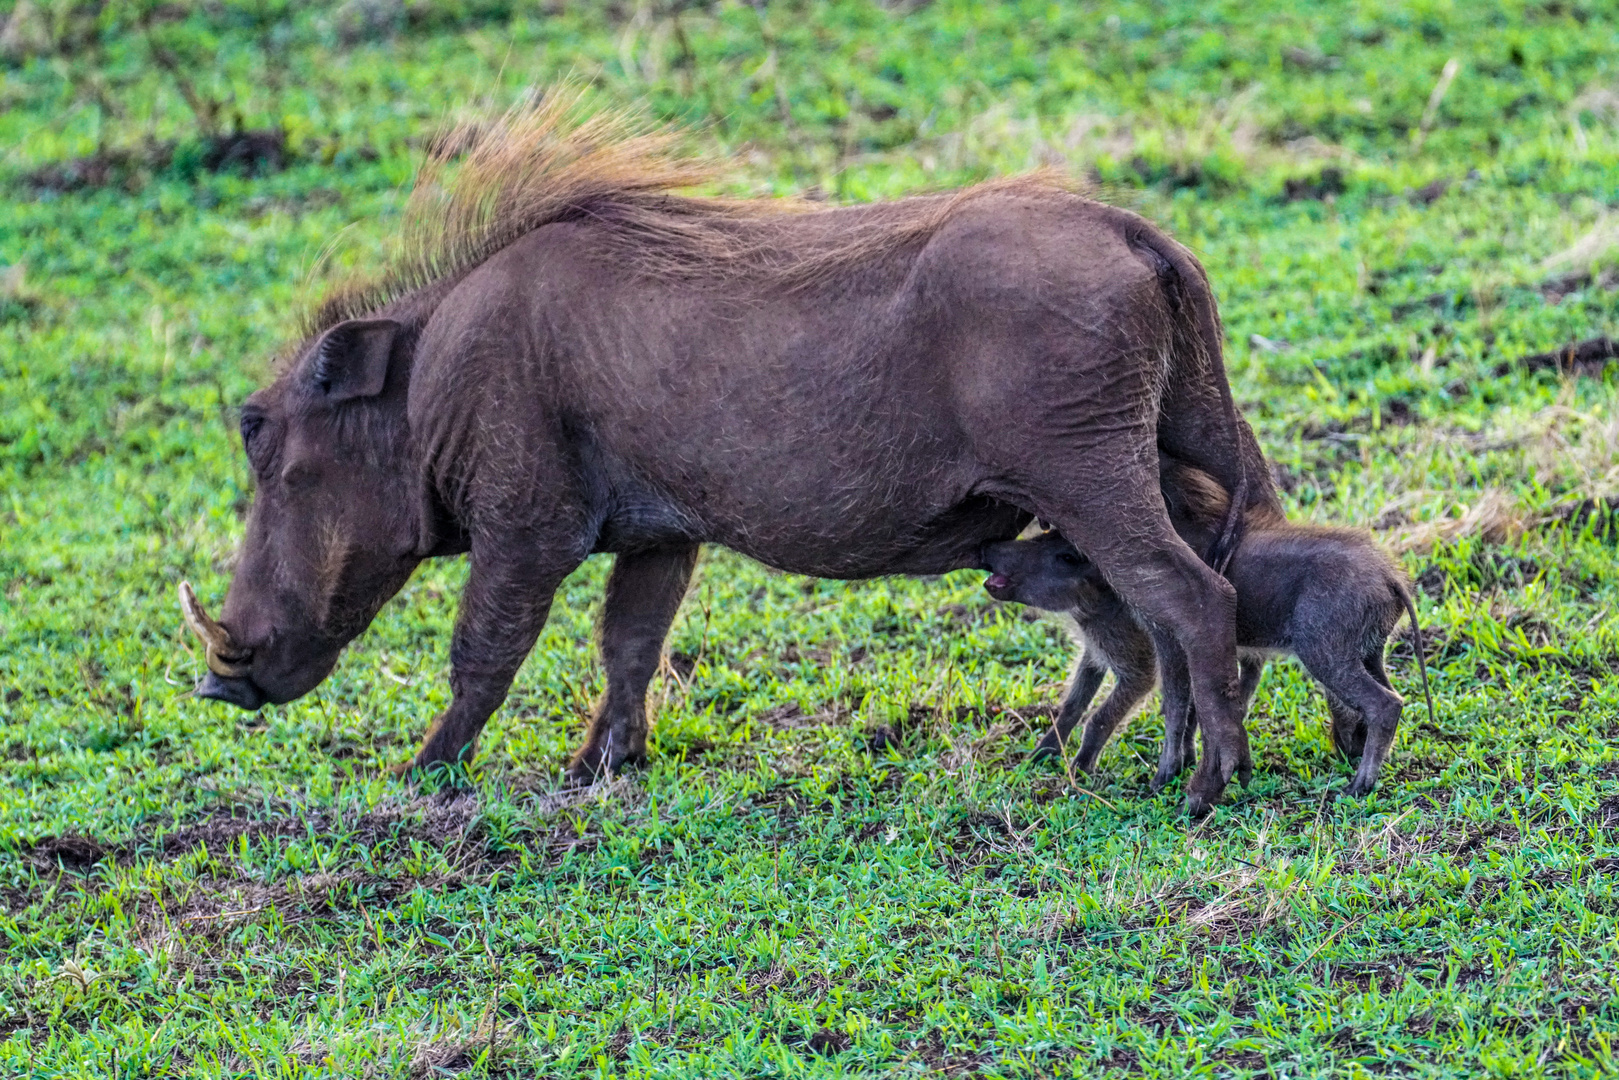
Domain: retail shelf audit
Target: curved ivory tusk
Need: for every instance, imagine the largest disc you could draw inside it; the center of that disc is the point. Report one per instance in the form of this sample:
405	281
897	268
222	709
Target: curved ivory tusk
224	659
230	669
212	634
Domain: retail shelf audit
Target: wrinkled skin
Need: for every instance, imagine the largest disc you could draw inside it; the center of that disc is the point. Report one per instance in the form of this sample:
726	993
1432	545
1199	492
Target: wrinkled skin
1329	596
1027	357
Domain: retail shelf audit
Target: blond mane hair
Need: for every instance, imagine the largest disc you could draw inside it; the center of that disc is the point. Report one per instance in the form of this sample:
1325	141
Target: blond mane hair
553	158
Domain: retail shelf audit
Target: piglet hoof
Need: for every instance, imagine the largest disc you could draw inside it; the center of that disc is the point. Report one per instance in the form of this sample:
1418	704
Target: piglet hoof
1162	778
1359	787
1048	748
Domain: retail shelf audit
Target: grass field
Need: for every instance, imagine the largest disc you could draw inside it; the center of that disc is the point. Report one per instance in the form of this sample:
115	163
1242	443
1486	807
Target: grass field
839	861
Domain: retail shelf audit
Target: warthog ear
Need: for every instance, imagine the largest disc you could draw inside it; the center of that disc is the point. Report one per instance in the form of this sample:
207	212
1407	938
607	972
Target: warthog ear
351	359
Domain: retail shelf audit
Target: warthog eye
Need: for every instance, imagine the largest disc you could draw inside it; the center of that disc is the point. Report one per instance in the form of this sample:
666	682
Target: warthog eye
1068	558
258	452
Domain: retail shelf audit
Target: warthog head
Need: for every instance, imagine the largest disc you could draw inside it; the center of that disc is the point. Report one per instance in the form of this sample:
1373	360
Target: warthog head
1046	572
336	524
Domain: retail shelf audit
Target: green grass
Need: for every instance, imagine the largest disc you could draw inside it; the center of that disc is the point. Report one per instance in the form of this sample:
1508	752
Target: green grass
839	861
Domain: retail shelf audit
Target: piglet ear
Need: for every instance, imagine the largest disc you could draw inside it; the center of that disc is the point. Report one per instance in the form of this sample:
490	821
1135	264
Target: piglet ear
351	359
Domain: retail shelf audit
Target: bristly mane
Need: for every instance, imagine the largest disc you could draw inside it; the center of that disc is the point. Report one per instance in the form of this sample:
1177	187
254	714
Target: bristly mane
486	184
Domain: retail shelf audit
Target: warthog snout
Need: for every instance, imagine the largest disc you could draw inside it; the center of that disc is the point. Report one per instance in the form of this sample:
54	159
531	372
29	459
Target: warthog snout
244	693
228	663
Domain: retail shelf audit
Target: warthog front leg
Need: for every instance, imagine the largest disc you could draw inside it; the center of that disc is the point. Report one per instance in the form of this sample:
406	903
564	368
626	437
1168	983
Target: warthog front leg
1087	679
1131	688
643	595
503	608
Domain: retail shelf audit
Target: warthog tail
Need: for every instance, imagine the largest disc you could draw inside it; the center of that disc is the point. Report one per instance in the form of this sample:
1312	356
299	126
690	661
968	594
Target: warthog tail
1198	420
1422	653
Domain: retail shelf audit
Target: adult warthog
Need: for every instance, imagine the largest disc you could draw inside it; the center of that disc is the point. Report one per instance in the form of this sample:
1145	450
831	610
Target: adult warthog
564	358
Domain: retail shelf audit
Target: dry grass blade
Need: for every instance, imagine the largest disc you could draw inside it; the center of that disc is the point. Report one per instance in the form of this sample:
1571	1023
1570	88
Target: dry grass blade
1246	903
449	1054
1597	242
1494	516
1437	98
1327	941
974	752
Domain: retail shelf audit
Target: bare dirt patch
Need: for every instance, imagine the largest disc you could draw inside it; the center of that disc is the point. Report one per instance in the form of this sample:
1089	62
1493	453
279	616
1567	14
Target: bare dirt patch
254	152
1589	357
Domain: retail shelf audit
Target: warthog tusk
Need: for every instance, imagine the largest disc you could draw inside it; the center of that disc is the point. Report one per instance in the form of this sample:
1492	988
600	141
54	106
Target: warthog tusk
224	658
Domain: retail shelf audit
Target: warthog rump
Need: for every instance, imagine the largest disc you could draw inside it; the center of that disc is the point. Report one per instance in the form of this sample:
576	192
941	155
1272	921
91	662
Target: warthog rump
566	357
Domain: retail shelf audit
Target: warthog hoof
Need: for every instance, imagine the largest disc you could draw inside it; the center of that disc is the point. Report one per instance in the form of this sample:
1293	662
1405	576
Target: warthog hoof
1226	755
1359	788
1047	748
583	771
445	774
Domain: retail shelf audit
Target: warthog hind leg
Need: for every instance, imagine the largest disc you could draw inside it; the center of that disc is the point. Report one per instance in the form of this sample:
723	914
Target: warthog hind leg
1360	684
1174	590
644	593
1180	718
1348	727
1106	502
1180	735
